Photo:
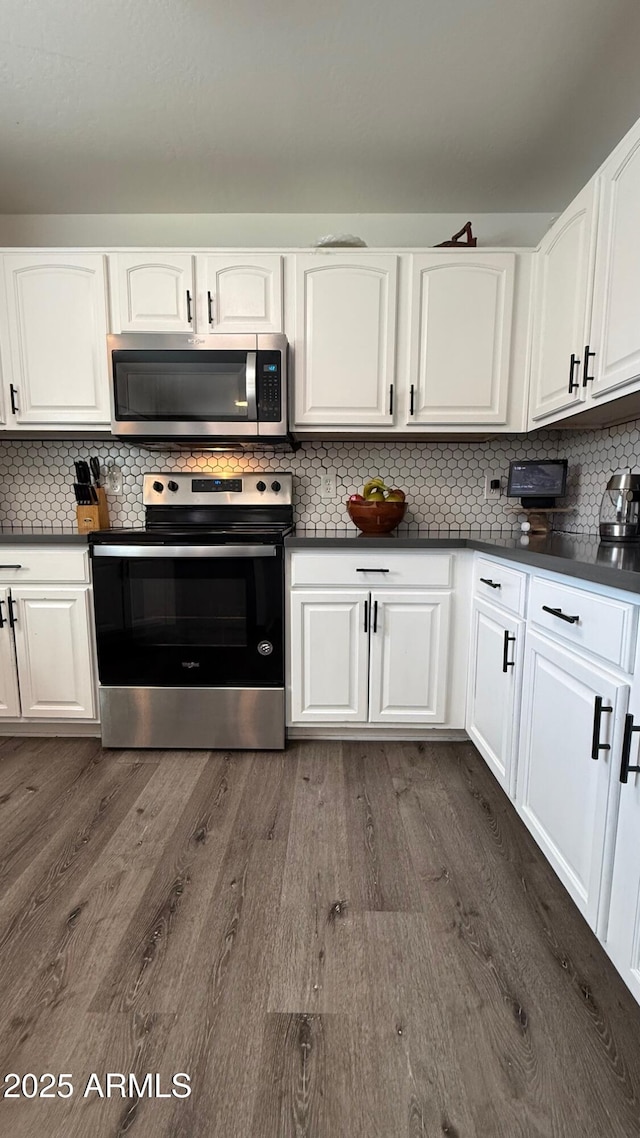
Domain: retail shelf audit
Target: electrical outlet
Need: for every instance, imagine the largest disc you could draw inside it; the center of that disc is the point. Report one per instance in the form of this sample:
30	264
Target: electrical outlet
492	486
113	479
327	486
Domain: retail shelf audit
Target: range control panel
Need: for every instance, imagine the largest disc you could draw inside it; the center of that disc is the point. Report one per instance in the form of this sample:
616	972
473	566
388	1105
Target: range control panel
235	489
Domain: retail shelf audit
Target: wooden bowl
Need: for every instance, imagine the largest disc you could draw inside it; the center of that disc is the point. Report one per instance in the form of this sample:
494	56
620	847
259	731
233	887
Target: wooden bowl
376	517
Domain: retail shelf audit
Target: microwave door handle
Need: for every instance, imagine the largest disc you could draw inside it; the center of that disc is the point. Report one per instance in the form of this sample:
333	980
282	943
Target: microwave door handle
252	399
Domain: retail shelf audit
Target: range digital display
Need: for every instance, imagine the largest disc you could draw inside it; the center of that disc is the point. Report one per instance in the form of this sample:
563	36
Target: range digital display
216	485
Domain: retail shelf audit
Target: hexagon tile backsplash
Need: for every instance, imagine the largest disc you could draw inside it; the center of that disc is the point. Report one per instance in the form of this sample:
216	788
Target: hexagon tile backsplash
444	482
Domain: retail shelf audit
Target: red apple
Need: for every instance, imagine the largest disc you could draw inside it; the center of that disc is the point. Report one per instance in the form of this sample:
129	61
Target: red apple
356	498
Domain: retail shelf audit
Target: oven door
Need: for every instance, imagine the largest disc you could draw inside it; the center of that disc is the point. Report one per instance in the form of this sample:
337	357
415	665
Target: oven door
189	616
166	391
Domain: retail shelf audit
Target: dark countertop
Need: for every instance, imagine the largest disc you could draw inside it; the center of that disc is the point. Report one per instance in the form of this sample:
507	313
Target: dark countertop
575	554
40	535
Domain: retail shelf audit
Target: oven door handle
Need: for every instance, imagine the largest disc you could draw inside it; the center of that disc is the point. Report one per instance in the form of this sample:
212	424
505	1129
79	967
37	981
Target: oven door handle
252	398
170	552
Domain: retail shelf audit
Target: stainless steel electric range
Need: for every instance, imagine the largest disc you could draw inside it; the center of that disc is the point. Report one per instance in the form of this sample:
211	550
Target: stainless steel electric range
190	614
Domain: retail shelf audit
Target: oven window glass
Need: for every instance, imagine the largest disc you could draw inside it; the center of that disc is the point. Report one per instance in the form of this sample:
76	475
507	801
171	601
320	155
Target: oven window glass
189	612
179	386
198	621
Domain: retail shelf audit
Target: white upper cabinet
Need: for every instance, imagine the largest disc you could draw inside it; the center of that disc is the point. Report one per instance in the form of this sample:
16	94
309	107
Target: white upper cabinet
54	320
616	327
241	293
152	292
461	320
563	276
345	339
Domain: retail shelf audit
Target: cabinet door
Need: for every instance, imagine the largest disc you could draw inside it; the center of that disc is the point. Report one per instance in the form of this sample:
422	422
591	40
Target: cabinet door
495	680
461	318
409	657
623	933
562	309
345	344
152	292
56	310
615	326
9	694
329	656
240	294
567	800
53	646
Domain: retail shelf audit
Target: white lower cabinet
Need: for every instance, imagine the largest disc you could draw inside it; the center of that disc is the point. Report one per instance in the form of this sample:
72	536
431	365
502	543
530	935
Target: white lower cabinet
495	679
623	931
47	663
368	655
53	650
329	656
9	692
409	655
570	739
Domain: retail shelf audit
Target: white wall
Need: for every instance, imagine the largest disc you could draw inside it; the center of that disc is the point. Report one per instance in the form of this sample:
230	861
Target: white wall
258	229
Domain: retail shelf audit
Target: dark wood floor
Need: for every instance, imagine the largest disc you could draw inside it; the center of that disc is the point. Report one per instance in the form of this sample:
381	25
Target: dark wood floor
343	941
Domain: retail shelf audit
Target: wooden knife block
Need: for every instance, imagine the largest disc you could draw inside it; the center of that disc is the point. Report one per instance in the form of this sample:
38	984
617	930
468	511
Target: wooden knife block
103	507
88	518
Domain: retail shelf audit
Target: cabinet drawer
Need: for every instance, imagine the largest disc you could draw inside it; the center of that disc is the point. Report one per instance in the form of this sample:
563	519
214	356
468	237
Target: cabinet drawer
20	564
605	626
371	568
508	587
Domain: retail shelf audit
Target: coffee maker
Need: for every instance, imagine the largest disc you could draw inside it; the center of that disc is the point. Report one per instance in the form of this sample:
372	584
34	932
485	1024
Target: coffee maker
620	508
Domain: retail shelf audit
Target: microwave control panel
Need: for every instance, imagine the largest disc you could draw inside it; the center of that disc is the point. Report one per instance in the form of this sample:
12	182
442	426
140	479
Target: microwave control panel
269	385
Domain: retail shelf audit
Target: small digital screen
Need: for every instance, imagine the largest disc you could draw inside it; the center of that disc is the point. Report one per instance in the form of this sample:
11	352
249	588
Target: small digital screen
533	479
269	367
215	485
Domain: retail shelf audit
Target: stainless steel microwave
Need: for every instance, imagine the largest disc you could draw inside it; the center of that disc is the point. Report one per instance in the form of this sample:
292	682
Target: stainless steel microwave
187	388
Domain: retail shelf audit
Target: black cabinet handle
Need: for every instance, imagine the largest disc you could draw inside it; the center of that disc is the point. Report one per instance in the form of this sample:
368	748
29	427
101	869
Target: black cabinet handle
209	307
573	383
391	399
586	378
561	615
366	616
2	619
375	616
10	566
372	570
13	620
412	392
598	712
189	314
506	662
625	766
490	583
13	391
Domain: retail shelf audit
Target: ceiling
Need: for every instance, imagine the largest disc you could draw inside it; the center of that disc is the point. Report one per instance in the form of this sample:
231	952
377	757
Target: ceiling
184	106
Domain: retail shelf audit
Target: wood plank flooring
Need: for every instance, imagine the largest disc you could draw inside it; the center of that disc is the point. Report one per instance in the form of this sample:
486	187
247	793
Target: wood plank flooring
342	941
